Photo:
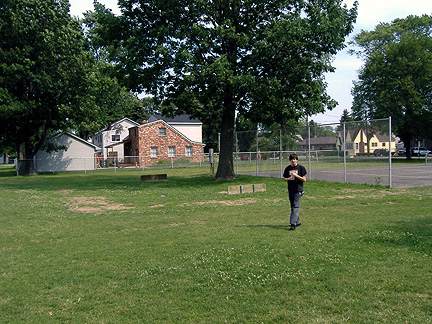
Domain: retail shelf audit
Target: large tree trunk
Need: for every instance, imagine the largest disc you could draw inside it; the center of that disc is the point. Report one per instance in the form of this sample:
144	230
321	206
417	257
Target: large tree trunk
25	161
406	139
225	170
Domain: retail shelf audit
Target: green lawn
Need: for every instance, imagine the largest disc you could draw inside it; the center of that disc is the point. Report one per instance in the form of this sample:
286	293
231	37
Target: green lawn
109	248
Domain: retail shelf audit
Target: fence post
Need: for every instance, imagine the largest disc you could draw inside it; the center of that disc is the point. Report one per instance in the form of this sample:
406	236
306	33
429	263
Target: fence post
211	156
280	151
309	148
390	155
236	154
344	146
256	159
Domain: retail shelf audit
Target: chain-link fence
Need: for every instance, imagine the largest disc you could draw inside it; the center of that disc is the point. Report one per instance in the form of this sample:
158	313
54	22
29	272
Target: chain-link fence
358	152
85	164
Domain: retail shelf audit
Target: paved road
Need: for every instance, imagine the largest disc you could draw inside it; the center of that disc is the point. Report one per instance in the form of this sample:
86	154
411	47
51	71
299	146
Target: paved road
402	176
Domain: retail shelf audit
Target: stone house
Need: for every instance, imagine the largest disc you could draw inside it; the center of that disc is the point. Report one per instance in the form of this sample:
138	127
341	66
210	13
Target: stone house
157	141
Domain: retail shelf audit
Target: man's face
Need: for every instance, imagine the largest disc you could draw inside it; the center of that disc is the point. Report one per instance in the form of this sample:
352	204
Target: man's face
294	162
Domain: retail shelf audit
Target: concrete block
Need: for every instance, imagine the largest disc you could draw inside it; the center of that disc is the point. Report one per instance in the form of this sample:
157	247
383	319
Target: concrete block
249	188
233	190
260	187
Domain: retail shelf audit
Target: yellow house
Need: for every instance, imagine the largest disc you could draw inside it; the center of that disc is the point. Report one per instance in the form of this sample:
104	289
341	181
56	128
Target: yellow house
359	141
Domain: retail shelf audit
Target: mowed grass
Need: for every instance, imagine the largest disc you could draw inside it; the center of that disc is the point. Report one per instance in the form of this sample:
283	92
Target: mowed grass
110	248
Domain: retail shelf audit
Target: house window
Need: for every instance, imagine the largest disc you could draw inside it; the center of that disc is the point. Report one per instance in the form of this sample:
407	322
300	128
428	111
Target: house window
153	152
374	144
357	146
384	144
115	138
188	151
162	131
171	151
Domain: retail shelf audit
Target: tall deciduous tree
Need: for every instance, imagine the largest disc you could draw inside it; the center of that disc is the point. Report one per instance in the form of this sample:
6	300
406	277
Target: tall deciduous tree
396	79
212	59
45	74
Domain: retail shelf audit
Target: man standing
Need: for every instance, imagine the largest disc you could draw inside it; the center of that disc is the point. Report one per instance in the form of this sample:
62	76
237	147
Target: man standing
295	175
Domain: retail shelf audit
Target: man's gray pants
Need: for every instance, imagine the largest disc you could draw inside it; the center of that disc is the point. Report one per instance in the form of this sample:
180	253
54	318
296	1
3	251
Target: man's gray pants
295	200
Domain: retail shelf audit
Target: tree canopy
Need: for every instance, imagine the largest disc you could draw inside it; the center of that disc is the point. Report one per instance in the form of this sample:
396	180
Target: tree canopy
44	72
396	79
50	80
214	59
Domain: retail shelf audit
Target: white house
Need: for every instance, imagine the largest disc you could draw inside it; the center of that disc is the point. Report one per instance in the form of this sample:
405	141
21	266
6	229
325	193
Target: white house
189	127
110	139
79	155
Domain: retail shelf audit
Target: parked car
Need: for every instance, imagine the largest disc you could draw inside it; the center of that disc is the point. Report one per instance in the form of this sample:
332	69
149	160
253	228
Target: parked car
419	151
402	151
381	152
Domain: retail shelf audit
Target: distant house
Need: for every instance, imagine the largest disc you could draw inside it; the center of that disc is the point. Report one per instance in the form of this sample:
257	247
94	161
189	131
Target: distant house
79	155
157	140
319	143
359	141
110	139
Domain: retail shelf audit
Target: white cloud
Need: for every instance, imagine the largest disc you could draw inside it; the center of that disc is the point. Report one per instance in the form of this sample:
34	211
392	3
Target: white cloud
78	7
372	12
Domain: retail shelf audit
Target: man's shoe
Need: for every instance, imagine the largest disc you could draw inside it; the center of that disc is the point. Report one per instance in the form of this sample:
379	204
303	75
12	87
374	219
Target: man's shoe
292	228
298	224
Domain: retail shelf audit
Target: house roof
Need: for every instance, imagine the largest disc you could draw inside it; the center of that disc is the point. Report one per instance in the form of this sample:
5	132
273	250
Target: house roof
329	140
79	139
117	122
380	136
352	132
176	119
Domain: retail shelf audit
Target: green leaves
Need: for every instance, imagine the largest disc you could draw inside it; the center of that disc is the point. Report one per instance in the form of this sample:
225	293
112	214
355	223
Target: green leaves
396	78
44	71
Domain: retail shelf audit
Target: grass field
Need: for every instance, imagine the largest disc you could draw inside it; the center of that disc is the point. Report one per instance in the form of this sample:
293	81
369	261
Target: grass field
110	248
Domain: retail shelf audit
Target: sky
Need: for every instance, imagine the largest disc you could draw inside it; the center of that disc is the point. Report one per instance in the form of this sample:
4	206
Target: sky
370	14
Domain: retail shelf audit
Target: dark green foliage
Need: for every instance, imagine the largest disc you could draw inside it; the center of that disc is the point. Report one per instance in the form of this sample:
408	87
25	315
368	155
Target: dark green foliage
44	72
49	81
396	79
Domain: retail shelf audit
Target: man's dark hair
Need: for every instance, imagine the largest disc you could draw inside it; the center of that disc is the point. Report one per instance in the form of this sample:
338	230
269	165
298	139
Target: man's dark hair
293	156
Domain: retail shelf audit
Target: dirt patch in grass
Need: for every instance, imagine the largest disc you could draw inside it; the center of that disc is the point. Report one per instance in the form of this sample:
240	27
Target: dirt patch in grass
186	223
66	192
238	202
158	205
345	197
96	205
